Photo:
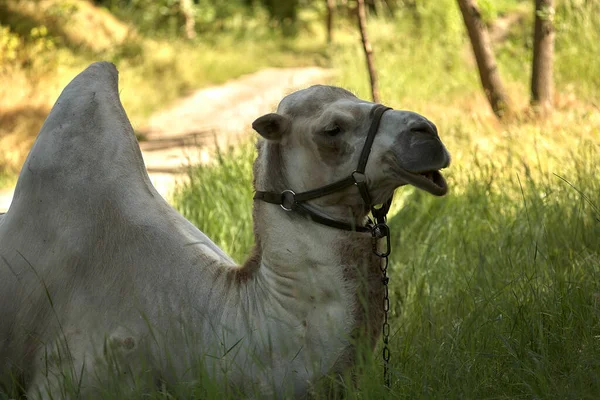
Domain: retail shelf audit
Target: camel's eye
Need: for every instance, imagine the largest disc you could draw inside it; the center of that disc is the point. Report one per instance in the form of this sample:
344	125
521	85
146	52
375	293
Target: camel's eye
333	131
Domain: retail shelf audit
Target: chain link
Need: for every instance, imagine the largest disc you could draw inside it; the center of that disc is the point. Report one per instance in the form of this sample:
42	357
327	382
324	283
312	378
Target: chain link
386	324
380	231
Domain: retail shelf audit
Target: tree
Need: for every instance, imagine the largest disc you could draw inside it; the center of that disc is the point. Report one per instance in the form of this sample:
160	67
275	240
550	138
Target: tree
486	62
362	25
284	13
187	9
543	55
330	11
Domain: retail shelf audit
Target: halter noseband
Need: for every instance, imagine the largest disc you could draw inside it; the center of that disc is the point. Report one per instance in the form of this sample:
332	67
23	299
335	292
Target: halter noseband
291	201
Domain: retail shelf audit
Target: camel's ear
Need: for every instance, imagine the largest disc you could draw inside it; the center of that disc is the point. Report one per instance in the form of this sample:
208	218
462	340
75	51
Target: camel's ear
272	126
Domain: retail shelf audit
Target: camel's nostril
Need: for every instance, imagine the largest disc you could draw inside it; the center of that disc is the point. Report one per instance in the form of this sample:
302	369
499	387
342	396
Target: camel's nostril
425	127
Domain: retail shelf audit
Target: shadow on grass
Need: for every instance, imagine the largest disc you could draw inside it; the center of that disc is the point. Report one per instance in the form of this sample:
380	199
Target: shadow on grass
497	291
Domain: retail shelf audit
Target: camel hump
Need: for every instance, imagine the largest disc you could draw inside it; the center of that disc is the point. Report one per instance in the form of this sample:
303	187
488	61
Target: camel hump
86	147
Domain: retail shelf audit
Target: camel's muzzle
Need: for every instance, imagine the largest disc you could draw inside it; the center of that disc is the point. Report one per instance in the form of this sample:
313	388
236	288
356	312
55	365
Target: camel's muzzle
420	156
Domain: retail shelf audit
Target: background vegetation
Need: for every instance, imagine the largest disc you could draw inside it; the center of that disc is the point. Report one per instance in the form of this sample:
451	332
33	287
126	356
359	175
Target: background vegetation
496	287
45	43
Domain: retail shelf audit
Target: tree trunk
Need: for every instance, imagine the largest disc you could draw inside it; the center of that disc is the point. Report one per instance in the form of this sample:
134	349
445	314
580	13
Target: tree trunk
330	11
486	63
187	9
543	55
362	25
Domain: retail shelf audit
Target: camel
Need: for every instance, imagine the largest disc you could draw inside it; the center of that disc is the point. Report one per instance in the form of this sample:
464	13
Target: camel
98	273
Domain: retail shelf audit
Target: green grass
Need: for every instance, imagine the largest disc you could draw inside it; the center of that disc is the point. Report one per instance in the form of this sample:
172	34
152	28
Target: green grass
230	180
499	286
496	287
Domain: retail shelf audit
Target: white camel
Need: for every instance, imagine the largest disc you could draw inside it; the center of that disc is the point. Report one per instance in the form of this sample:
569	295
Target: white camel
98	272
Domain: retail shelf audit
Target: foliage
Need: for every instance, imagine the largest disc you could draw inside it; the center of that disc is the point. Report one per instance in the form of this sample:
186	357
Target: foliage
39	57
9	45
74	24
166	16
577	36
33	49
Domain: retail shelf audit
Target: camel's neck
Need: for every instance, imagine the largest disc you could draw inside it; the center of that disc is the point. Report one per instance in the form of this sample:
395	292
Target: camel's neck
305	294
306	263
310	291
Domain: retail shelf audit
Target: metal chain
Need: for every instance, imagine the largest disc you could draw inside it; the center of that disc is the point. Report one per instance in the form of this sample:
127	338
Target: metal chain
380	231
386	326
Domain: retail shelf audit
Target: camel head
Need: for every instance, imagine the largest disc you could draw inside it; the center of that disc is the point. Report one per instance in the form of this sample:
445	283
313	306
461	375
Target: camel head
317	137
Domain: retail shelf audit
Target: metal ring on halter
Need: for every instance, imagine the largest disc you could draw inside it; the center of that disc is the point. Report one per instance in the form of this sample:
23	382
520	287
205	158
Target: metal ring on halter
284	198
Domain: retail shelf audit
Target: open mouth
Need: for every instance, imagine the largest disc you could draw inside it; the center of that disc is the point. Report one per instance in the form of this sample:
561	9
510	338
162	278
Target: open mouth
430	181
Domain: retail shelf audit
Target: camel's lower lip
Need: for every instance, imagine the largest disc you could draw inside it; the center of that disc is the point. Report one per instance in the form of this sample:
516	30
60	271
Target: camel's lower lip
430	181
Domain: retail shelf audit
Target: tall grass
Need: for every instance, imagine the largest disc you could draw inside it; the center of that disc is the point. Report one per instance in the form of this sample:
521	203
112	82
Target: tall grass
496	287
499	283
223	206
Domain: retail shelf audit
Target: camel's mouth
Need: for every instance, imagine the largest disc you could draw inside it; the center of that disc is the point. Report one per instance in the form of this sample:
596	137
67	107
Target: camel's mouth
431	181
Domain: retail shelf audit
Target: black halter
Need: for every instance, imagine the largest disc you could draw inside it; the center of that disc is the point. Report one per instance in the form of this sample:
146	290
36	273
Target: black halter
291	201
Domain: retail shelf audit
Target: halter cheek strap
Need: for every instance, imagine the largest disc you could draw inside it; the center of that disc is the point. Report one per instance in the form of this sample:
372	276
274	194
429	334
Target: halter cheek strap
291	201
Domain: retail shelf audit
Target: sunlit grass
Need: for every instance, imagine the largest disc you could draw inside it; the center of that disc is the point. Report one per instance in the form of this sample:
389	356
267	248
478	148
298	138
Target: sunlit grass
230	178
496	287
499	281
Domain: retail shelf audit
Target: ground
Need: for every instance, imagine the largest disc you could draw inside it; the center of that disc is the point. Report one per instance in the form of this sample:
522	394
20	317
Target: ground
189	131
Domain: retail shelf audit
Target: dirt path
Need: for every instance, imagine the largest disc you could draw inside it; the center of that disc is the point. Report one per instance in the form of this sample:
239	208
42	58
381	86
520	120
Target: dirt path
189	131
